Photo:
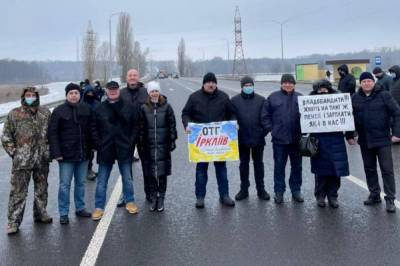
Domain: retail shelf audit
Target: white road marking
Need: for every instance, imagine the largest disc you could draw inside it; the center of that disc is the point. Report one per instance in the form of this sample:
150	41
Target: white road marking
93	250
363	185
171	89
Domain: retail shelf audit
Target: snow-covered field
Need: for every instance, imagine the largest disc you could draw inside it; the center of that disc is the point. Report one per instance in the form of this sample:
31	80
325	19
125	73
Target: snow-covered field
56	93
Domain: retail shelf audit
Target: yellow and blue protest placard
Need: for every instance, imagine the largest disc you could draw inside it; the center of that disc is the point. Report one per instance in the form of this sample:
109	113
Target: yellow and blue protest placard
213	142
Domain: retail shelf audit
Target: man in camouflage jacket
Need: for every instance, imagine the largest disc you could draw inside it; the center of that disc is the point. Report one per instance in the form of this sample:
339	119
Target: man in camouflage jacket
25	140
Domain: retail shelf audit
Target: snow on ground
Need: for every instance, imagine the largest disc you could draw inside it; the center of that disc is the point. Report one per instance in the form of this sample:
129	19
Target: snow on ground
56	93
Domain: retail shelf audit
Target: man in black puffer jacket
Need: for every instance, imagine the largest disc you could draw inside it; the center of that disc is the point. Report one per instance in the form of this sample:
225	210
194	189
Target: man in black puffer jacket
347	82
373	110
157	140
117	128
72	136
209	104
248	106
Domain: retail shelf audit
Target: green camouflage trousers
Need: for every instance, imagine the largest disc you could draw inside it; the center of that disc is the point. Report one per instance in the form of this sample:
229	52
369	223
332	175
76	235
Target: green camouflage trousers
19	191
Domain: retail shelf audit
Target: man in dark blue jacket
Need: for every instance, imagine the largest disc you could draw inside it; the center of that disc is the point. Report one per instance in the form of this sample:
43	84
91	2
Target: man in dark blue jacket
209	104
248	106
374	108
281	117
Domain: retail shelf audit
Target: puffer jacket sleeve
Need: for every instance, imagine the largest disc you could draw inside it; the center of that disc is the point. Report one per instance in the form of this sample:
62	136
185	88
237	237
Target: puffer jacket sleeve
266	116
172	124
53	135
394	111
187	112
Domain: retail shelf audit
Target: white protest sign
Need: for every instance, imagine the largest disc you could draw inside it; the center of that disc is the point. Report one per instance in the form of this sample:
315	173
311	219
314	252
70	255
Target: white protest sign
326	113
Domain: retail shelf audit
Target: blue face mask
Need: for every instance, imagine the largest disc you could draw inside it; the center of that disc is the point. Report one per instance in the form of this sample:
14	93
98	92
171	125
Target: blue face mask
30	100
248	90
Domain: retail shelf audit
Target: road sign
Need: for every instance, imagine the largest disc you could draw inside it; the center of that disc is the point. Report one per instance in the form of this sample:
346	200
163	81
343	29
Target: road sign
378	60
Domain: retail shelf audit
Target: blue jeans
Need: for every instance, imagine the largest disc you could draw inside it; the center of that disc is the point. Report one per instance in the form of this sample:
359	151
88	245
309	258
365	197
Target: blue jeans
281	154
202	178
103	175
78	170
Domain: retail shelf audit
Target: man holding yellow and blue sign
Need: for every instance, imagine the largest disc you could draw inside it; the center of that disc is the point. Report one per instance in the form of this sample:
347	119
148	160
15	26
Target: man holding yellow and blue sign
207	105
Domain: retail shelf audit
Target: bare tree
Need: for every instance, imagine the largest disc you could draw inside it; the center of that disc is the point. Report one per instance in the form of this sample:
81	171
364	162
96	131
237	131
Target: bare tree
103	64
124	45
181	57
139	58
89	52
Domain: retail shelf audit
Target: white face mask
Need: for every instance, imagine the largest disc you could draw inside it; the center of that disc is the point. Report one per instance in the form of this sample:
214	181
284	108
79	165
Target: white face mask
393	75
30	100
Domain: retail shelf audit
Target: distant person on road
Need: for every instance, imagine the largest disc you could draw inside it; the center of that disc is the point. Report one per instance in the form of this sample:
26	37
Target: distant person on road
373	110
347	82
248	106
89	97
99	91
328	75
156	142
395	88
136	94
209	104
86	86
384	80
72	136
25	141
117	129
331	163
281	117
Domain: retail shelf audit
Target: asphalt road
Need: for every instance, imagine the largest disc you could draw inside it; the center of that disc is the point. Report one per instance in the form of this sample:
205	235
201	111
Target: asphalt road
252	233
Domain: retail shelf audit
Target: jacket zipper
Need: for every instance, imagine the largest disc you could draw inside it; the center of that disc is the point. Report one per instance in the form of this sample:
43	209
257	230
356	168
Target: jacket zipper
155	142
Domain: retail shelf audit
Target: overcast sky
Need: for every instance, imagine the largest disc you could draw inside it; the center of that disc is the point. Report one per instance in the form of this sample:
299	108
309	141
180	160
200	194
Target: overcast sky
49	29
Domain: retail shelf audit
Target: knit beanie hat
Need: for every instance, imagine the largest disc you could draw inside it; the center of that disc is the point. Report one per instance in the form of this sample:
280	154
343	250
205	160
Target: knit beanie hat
209	77
288	78
366	75
246	80
71	87
153	86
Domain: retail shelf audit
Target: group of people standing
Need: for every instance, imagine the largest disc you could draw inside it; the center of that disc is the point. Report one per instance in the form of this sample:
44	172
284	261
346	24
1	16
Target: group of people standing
141	118
376	115
133	116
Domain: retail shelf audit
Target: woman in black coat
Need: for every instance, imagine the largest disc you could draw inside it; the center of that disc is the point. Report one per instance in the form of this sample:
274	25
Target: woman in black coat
157	141
331	162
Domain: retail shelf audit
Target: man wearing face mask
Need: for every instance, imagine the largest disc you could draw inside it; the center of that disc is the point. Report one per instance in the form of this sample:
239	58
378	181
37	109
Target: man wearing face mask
248	106
209	104
90	98
281	117
136	94
347	82
395	88
384	80
25	141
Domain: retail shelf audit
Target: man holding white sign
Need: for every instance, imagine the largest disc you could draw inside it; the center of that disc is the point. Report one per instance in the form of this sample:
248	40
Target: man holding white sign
207	105
373	110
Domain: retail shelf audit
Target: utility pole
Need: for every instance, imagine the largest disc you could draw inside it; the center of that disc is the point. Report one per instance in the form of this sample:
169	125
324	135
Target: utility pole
239	63
281	24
